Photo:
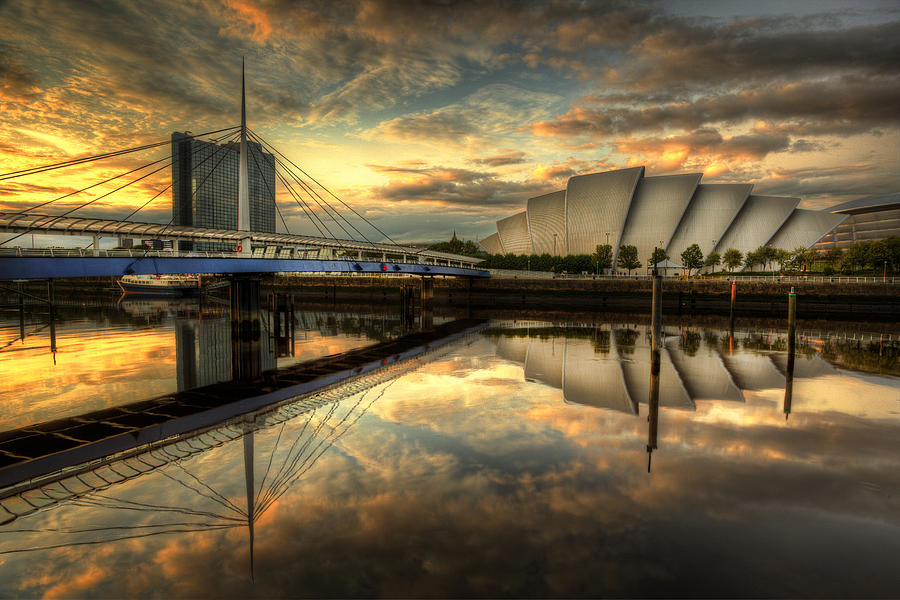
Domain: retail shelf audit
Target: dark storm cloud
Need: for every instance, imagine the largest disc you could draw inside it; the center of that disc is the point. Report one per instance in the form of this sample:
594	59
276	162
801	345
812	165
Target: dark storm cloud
848	104
764	49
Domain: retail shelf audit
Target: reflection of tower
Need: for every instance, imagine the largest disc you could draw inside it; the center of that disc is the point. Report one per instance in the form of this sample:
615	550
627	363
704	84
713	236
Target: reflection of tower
202	352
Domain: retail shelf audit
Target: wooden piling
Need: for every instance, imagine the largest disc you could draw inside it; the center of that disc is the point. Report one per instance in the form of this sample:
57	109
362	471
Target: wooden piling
656	314
792	349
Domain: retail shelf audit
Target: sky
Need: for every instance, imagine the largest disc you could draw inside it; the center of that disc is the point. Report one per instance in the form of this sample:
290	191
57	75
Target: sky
434	117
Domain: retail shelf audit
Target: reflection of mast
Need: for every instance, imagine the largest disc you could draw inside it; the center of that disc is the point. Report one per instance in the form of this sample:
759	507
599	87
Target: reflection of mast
248	476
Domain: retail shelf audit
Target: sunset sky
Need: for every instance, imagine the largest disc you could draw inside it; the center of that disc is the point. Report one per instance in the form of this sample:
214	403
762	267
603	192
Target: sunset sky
441	116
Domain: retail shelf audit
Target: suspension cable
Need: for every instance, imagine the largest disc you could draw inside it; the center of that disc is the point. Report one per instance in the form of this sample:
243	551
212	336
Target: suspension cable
318	199
321	201
371	224
76	161
70	211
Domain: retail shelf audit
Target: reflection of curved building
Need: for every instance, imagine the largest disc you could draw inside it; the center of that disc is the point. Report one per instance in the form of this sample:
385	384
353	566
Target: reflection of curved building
609	366
625	207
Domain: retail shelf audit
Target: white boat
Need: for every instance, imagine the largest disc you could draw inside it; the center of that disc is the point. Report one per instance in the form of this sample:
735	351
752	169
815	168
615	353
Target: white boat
169	285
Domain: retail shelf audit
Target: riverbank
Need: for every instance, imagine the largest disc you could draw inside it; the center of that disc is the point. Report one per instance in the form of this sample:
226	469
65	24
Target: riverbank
863	301
854	301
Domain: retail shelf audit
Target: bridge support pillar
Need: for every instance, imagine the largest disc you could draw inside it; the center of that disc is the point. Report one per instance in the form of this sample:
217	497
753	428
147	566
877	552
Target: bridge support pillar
96	245
245	328
427	303
359	255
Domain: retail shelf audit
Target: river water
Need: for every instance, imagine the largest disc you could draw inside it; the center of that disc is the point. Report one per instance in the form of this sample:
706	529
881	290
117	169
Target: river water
517	460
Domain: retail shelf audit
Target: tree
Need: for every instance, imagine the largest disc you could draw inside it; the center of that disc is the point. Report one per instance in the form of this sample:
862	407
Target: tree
810	258
628	258
658	256
602	258
766	255
879	255
752	258
732	258
857	255
834	256
713	260
692	257
783	257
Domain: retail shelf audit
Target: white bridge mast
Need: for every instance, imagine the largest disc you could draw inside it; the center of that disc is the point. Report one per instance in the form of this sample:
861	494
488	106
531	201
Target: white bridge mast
243	178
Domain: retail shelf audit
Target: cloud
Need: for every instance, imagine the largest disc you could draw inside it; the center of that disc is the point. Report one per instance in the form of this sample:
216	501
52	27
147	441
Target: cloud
513	157
17	84
848	104
490	113
448	187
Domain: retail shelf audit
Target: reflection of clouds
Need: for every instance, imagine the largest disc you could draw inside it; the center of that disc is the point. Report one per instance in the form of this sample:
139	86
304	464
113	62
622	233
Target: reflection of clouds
474	481
93	370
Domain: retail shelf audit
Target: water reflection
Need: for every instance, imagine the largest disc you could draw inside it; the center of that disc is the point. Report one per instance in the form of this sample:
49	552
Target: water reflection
513	465
612	367
116	353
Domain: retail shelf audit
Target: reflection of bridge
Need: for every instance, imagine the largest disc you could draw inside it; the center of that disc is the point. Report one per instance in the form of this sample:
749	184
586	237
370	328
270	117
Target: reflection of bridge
183	426
335	249
34	451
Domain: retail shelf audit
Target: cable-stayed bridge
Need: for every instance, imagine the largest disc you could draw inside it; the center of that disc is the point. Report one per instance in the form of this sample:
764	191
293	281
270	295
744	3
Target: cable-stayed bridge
341	246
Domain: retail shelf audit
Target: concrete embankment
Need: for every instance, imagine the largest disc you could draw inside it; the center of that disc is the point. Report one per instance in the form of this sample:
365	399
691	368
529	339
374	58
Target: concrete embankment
867	301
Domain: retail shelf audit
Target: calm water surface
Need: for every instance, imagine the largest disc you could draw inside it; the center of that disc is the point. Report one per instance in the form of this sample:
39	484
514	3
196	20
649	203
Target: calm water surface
511	462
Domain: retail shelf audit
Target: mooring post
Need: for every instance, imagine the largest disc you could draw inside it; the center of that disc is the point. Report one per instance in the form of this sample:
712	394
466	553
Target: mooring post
653	403
792	349
731	312
52	311
292	330
656	313
21	313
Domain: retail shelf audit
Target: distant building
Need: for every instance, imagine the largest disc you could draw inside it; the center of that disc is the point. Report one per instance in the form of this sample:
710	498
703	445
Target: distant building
868	220
205	186
624	207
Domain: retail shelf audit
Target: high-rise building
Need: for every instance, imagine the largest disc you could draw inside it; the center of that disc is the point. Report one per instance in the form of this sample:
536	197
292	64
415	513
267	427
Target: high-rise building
205	186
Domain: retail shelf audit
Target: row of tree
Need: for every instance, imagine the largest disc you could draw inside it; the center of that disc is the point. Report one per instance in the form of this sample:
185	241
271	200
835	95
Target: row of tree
879	256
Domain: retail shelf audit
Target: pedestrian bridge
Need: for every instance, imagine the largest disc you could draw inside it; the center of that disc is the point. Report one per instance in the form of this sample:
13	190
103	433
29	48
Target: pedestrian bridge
271	252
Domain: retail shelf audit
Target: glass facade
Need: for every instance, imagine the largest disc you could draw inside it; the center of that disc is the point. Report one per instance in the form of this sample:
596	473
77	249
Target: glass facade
205	187
869	226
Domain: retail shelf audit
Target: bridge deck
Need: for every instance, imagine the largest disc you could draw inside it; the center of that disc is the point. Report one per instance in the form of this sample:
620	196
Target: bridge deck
114	266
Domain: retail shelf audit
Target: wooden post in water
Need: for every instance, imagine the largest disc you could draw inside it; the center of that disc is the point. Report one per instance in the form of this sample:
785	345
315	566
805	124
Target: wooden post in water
51	308
21	313
792	348
731	312
653	403
656	313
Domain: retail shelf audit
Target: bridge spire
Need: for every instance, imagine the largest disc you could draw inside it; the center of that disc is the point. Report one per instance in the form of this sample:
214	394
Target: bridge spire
243	179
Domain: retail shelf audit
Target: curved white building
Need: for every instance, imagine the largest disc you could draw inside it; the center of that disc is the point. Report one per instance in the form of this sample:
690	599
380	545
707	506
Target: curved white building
624	207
